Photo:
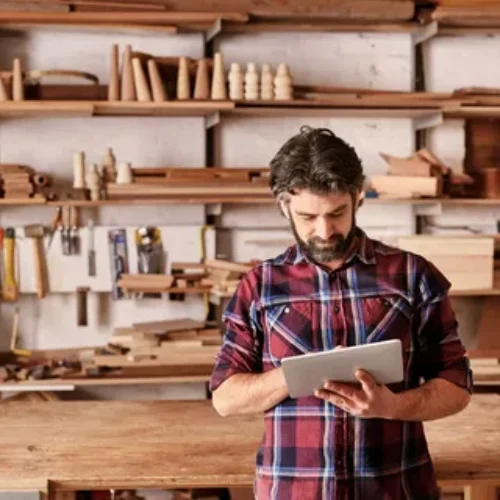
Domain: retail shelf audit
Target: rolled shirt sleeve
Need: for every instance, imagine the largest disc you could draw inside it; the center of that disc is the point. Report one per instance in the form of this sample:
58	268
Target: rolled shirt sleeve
441	353
241	350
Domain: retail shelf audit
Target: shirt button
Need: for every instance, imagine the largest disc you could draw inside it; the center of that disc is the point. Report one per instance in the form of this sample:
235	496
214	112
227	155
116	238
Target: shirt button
336	309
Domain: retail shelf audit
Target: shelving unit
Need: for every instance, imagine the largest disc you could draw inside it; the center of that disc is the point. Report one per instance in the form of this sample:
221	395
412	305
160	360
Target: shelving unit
425	115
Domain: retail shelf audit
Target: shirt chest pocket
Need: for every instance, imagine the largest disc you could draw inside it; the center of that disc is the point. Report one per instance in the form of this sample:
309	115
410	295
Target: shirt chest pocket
386	318
290	329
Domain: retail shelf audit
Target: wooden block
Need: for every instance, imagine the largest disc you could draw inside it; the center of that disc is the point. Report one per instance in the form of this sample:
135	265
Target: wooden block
461	246
114	76
183	83
406	187
4	95
17	81
202	86
227	266
466	262
141	84
128	92
159	94
218	91
407	167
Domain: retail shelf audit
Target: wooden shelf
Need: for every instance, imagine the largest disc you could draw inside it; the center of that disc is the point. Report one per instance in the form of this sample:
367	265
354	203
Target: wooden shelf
257	199
319	26
276	109
108	108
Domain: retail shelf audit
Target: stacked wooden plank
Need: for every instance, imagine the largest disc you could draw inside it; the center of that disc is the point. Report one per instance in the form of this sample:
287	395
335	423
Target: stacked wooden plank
193	183
20	182
422	175
160	348
164	283
466	261
224	276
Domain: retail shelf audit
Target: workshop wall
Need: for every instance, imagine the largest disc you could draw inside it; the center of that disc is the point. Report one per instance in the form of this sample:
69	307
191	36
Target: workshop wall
379	61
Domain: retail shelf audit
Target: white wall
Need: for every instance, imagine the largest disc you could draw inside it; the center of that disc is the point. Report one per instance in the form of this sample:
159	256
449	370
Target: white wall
48	145
381	61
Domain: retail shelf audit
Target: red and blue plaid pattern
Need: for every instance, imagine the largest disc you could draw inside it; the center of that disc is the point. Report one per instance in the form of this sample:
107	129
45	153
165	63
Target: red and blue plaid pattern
289	306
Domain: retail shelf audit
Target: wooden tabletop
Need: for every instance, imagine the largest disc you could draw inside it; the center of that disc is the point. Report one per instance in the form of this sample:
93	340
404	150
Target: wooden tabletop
170	444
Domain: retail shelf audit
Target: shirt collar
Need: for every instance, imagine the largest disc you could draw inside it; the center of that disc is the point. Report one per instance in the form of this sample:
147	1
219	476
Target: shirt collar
362	249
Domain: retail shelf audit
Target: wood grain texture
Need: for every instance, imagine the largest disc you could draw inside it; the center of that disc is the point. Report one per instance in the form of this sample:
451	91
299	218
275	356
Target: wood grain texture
171	444
341	9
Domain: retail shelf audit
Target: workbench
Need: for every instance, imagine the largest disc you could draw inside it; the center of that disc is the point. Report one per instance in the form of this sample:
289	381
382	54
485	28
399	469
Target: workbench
63	446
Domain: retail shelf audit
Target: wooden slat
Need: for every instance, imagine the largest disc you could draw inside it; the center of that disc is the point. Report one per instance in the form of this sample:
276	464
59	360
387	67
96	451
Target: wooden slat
168	325
378	10
133	18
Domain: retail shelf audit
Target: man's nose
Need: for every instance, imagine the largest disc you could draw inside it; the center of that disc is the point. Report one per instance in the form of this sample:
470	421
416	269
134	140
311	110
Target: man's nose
324	228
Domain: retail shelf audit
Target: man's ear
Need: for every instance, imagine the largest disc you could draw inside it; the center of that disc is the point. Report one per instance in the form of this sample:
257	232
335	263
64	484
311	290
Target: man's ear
284	207
358	200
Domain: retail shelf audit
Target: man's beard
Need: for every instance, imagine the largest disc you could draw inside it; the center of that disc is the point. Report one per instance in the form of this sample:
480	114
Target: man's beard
322	251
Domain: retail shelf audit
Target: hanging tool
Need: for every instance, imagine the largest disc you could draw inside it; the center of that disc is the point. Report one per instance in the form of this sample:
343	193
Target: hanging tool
75	234
91	251
14	335
36	233
10	291
55	225
81	306
117	239
66	231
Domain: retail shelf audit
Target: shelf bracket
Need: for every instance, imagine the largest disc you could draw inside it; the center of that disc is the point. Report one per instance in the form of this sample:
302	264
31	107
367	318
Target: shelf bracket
433	119
212	120
214	30
213	208
432	209
426	32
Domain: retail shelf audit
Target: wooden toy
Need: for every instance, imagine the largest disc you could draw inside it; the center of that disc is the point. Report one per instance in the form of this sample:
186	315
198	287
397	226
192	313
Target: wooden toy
235	82
251	82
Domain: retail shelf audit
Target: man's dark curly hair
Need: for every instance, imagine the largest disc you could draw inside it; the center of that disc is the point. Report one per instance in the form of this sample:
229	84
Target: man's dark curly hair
317	160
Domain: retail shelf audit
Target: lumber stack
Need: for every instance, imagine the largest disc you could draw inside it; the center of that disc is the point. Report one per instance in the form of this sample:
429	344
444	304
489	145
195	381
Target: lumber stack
163	283
159	348
224	276
466	261
181	347
422	175
20	182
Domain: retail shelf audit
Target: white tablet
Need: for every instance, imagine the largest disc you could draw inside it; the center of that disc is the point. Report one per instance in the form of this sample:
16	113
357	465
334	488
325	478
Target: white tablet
307	372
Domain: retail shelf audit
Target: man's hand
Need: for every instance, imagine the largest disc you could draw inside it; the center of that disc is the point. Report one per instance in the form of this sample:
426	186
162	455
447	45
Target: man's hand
369	400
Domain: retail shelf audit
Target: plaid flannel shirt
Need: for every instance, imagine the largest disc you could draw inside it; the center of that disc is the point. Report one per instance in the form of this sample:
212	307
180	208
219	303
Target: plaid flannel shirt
290	306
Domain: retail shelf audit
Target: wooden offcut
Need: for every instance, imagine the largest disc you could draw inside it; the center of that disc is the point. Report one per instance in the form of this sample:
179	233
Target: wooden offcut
406	187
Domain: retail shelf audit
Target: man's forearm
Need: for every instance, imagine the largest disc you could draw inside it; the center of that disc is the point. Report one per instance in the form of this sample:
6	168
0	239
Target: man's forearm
435	399
250	393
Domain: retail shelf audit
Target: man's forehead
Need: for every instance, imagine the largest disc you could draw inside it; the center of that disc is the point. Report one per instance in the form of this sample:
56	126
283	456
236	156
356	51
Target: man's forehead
320	203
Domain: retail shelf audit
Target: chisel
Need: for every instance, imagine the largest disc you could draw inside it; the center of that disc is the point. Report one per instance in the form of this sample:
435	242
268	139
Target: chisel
91	249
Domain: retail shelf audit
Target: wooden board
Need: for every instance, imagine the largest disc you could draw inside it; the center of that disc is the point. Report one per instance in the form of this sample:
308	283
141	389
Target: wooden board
403	186
134	18
171	444
168	326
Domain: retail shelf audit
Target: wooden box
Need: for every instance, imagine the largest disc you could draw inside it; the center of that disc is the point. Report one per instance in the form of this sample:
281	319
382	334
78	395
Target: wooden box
467	261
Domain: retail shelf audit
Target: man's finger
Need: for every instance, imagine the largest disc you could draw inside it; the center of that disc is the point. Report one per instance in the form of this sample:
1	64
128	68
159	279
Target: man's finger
332	398
368	383
344	390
